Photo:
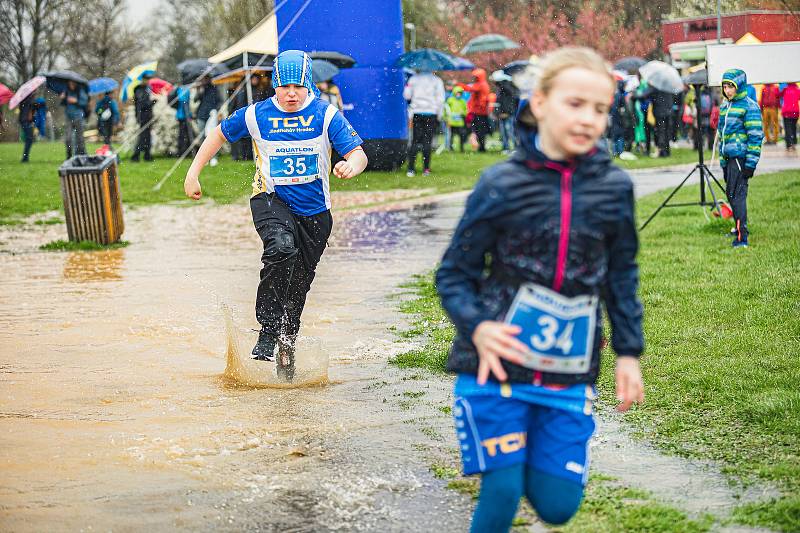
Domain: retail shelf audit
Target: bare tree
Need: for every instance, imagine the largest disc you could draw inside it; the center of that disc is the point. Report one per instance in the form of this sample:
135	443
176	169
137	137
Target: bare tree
105	45
226	21
31	36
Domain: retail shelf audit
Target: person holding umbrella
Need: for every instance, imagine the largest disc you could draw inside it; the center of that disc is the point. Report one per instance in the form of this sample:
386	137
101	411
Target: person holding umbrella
26	117
425	94
75	100
107	117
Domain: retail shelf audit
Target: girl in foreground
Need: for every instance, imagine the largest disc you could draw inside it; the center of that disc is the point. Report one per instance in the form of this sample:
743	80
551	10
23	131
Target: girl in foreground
545	238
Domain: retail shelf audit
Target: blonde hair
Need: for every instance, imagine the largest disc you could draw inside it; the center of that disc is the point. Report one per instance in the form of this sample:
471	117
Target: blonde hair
557	61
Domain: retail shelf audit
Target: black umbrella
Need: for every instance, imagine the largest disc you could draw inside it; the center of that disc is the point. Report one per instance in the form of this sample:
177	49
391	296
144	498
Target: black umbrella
516	67
631	65
338	59
192	69
697	78
57	80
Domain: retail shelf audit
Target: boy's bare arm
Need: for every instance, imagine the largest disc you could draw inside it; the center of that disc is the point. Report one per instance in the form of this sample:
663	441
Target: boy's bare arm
207	151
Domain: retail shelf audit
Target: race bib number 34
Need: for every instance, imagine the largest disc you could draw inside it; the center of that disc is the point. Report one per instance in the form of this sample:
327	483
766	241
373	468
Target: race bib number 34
558	330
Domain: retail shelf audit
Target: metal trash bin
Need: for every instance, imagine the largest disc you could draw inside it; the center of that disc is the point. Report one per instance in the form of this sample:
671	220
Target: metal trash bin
92	200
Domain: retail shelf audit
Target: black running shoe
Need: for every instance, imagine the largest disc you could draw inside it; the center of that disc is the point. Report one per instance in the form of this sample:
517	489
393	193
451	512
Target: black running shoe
264	350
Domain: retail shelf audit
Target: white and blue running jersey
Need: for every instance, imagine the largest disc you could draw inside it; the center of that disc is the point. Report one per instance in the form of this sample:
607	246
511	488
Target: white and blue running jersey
293	150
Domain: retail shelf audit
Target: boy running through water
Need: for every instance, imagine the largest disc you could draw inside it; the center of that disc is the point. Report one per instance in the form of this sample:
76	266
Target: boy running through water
545	238
293	133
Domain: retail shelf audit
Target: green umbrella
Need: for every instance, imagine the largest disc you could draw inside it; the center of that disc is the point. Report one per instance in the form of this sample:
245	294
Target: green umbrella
490	42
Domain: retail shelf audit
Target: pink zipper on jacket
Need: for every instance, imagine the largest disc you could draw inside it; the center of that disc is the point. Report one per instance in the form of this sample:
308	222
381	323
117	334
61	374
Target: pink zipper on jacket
563	234
566	216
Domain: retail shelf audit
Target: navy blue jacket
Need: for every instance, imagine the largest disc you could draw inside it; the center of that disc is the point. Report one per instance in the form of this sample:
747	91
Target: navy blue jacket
511	233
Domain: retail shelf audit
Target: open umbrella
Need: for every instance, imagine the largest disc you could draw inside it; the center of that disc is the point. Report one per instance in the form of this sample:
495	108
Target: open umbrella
235	76
630	64
159	86
429	59
490	42
134	77
662	76
499	75
338	59
57	80
5	94
323	70
516	66
698	77
27	88
193	69
102	85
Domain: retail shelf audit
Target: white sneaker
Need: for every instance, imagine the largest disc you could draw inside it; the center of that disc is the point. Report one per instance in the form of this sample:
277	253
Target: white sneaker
410	174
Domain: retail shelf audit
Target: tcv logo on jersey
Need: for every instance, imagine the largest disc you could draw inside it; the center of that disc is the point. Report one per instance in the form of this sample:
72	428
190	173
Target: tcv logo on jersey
290	123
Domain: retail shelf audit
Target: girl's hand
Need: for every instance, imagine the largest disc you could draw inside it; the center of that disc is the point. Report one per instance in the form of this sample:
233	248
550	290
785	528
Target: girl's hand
630	389
191	186
495	341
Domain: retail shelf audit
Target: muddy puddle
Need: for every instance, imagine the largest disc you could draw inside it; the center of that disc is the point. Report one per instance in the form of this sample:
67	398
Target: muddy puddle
117	413
126	402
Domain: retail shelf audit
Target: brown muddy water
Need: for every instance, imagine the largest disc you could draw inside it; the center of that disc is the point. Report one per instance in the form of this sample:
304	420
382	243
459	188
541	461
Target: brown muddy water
126	404
116	412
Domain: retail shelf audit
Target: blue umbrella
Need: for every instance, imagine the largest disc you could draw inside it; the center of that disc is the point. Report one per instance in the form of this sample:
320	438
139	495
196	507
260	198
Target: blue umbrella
428	59
102	85
323	70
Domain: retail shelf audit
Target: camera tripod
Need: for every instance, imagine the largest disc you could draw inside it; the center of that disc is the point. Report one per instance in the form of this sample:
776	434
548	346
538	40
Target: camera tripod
706	177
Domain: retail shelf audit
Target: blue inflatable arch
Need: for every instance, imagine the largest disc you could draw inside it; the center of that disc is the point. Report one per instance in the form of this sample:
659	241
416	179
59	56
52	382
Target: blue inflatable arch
371	31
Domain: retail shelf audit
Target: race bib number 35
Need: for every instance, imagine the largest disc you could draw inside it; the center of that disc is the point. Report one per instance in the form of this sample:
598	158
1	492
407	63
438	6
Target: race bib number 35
558	330
293	166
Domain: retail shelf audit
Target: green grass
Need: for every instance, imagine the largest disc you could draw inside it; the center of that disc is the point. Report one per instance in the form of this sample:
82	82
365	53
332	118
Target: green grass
69	246
611	507
723	341
34	187
608	507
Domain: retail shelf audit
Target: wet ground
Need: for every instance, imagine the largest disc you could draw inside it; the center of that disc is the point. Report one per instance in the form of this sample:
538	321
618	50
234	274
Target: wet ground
116	414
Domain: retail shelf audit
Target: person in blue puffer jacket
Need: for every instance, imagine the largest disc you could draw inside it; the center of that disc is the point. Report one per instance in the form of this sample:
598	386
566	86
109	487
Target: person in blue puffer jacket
546	239
740	134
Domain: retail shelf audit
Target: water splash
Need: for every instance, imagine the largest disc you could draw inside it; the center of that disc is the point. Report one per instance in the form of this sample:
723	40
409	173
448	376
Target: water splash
311	362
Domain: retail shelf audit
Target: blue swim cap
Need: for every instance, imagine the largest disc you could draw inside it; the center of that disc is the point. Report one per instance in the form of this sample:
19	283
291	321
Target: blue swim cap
293	67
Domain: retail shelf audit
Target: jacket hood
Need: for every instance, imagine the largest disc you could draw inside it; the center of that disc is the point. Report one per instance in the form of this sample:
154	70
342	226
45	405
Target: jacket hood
739	79
479	74
526	131
457	90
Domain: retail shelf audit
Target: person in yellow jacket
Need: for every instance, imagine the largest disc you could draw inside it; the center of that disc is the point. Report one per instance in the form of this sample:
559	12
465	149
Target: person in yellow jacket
455	110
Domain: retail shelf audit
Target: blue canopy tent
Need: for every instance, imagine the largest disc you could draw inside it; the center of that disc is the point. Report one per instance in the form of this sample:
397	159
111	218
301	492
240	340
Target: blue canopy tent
373	89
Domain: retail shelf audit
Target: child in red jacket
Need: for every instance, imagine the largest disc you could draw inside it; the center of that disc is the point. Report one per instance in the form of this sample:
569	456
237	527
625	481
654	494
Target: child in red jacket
790	111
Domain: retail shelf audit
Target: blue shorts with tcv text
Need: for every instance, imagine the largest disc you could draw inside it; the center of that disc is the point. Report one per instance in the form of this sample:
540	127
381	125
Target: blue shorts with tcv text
547	427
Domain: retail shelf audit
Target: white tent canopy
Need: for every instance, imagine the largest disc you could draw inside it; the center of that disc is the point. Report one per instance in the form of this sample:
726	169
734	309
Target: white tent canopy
262	39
